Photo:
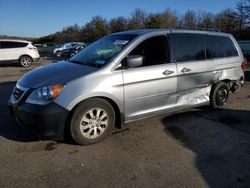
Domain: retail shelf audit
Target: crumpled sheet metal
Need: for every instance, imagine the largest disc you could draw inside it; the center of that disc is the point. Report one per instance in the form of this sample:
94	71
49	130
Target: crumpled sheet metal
230	74
218	75
195	96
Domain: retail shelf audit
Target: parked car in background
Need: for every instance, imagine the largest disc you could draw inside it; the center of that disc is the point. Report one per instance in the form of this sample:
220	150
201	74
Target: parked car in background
47	49
67	53
57	51
37	45
18	50
125	77
245	47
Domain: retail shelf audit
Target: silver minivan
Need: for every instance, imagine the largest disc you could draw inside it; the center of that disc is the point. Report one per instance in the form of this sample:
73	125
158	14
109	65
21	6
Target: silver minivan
128	76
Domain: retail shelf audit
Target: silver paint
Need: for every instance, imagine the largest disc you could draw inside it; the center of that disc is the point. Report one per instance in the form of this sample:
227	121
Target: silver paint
144	91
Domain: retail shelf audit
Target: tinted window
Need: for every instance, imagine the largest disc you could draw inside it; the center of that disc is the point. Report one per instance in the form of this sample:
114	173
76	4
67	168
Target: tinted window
219	46
21	44
8	44
153	50
188	47
74	44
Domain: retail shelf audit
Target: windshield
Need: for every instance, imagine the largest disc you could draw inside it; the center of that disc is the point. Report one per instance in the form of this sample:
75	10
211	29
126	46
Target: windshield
100	52
67	46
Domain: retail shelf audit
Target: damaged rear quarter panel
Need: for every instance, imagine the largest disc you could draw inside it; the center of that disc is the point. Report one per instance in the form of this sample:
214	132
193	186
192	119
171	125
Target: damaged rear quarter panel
227	69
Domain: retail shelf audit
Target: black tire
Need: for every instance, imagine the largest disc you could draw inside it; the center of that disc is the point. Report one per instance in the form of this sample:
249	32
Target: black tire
25	61
71	55
219	95
58	54
77	124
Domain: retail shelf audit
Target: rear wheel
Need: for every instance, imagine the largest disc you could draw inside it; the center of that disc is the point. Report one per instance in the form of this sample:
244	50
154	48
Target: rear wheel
219	95
92	121
25	61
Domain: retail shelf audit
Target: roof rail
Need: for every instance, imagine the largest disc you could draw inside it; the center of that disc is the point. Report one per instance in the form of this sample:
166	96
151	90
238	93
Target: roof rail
198	28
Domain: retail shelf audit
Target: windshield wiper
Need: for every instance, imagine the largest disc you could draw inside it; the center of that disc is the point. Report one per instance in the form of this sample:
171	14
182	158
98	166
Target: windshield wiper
76	62
86	64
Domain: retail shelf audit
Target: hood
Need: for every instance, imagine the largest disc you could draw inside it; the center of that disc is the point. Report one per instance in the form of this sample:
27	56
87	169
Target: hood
56	73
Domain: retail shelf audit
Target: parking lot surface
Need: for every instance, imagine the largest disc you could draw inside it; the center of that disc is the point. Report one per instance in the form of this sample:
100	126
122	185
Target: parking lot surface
195	148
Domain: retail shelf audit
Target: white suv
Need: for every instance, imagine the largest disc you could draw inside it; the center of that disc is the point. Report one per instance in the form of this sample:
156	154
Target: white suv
18	50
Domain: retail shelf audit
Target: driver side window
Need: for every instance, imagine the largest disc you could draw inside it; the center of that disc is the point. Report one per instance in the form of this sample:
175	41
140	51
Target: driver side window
154	51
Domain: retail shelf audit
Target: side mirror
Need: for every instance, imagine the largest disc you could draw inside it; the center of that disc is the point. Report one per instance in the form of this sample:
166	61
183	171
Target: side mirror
133	61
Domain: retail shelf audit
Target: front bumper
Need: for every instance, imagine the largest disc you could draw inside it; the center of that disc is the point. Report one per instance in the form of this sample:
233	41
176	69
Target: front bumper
47	121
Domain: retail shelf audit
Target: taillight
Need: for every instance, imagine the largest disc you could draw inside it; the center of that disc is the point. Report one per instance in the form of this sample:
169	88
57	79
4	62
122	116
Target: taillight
32	48
244	65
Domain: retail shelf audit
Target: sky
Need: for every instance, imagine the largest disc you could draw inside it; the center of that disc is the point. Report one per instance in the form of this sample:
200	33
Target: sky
36	18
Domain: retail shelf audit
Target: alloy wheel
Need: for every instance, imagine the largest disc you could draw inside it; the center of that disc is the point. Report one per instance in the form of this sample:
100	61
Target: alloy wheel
25	61
94	123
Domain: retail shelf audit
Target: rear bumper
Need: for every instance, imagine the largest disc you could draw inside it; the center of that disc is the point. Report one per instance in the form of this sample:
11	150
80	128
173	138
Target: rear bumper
47	121
36	59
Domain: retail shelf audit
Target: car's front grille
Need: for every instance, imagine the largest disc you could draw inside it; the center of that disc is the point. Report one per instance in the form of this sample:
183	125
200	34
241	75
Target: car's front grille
17	93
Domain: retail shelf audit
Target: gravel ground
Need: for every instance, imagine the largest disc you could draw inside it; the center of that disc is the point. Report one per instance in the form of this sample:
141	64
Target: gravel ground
196	148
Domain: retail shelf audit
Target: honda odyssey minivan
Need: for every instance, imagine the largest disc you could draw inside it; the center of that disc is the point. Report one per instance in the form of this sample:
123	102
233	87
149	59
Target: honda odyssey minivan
128	76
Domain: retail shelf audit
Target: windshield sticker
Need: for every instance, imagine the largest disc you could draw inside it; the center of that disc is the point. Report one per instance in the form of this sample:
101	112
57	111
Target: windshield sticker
122	42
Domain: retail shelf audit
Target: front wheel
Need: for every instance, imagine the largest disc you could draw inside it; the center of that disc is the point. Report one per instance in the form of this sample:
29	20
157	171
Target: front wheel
58	54
92	121
219	95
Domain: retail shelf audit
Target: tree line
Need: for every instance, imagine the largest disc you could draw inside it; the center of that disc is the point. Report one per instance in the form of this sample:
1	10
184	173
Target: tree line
235	21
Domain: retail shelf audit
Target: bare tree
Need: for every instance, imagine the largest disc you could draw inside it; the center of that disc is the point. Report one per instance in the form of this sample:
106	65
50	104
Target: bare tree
118	24
235	21
95	29
70	33
138	19
247	11
207	20
225	21
153	21
241	14
189	19
199	17
169	19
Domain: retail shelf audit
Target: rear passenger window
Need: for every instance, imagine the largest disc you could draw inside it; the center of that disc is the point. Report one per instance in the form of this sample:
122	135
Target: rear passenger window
188	47
8	44
219	46
154	51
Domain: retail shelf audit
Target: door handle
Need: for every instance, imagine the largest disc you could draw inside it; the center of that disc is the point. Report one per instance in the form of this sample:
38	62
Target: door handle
168	72
185	70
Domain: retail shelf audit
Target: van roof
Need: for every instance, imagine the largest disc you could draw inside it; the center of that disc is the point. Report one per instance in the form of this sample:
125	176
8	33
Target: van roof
15	40
147	31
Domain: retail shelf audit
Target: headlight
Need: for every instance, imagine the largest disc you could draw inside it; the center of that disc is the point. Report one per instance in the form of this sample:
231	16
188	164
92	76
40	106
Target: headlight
45	95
